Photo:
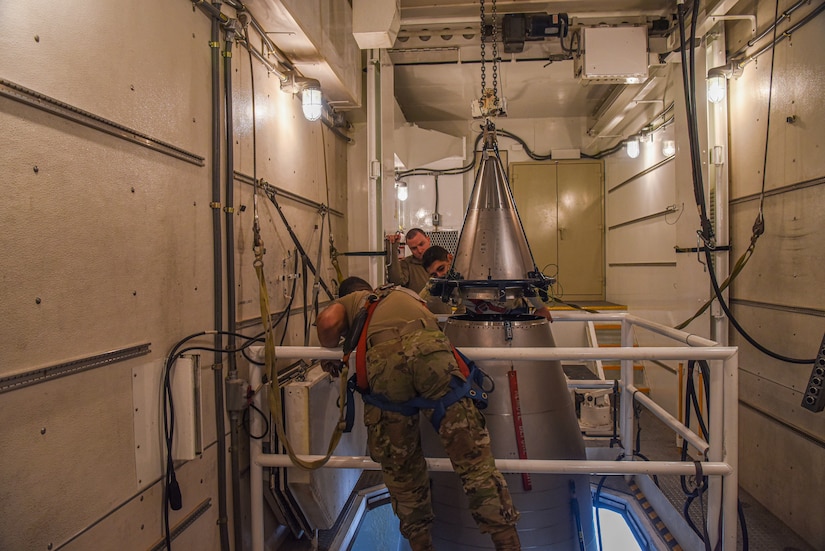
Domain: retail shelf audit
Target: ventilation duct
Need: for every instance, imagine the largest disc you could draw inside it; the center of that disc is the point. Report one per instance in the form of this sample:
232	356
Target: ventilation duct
375	23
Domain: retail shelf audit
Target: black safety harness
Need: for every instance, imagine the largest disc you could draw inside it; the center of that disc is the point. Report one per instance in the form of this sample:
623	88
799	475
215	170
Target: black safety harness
472	386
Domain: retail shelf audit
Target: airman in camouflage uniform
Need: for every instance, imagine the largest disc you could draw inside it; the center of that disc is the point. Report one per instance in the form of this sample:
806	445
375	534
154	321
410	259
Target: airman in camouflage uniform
408	357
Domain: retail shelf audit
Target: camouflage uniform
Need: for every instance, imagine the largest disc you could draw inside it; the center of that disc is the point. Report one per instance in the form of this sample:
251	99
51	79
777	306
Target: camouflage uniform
406	361
407	271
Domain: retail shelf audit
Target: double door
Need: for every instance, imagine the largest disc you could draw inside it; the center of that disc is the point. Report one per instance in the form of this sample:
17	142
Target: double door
561	205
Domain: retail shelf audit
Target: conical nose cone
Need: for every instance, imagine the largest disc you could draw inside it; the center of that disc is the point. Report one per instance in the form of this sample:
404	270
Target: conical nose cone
492	245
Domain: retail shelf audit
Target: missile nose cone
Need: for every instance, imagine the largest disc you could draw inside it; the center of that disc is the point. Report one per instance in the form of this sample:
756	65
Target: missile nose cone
492	245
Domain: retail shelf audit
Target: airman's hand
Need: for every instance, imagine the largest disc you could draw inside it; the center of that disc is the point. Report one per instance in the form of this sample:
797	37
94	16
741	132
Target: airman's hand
333	367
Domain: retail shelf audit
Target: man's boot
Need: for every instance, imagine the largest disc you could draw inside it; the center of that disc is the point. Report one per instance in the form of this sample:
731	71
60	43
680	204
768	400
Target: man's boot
422	542
506	540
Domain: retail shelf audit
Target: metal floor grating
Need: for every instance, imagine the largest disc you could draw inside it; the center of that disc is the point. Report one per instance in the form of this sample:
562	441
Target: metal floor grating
765	531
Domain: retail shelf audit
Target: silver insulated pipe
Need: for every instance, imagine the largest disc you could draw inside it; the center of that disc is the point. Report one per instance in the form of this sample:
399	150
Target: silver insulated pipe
530	414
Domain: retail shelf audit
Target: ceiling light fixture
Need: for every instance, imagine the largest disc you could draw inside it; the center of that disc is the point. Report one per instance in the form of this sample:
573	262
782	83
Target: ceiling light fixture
668	148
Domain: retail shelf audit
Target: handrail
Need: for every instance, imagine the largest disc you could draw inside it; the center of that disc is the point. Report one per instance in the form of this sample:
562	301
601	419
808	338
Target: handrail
720	450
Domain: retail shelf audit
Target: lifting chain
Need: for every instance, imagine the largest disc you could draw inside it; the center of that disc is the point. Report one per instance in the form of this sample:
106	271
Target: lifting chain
483	52
495	54
488	102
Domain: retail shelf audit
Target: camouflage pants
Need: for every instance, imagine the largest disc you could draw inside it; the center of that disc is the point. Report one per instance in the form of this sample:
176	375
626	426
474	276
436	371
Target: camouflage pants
422	364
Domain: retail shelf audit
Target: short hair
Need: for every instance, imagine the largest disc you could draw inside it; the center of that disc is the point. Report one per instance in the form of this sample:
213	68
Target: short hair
413	232
352	284
432	255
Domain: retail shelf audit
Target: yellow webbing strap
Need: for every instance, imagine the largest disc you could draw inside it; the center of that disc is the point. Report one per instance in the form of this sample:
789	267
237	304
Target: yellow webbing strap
275	404
724	285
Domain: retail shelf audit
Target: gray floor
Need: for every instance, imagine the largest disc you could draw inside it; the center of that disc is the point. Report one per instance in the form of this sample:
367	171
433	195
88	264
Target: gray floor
765	531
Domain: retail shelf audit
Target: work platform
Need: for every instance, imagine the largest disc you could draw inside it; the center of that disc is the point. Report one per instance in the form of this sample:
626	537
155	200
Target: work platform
657	459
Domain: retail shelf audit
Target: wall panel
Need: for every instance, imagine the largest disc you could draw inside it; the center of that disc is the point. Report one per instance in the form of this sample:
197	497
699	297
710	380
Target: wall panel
109	244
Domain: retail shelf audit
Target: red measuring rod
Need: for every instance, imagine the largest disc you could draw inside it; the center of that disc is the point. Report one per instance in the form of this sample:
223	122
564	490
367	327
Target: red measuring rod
512	378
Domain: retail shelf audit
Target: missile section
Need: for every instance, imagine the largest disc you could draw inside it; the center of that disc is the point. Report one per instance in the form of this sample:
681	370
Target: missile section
530	413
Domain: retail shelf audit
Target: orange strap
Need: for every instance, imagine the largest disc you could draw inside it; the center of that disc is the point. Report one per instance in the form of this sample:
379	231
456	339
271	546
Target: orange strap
361	351
361	354
462	365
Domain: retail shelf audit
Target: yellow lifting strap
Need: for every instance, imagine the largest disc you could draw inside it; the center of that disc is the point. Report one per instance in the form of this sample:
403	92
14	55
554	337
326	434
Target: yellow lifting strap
275	402
333	252
724	285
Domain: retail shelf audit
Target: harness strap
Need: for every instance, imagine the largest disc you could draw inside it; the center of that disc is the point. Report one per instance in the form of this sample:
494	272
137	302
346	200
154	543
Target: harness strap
361	350
472	387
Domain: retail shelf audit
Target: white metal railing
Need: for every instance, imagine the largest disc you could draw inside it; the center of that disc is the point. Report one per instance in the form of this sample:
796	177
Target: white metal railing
720	461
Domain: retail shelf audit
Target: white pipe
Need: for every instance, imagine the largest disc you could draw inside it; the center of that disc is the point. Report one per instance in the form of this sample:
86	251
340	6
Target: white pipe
718	145
374	206
730	484
721	450
505	353
716	426
627	421
548	466
669	420
594	384
256	476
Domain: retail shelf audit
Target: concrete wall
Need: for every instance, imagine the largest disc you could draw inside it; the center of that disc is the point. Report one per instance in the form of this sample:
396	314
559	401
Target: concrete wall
109	244
779	297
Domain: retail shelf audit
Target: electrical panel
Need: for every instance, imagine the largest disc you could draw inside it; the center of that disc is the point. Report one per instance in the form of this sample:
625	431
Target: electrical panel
814	399
612	55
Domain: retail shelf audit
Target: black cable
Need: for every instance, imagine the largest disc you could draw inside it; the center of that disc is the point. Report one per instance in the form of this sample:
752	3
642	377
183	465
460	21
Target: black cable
706	233
291	299
245	422
171	489
172	497
688	73
435	176
447	172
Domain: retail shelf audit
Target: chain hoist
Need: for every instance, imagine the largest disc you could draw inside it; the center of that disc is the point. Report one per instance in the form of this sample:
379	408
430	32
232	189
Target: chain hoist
495	54
489	104
482	35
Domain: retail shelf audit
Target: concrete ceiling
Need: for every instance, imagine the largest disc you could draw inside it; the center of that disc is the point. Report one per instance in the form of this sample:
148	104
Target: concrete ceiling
438	69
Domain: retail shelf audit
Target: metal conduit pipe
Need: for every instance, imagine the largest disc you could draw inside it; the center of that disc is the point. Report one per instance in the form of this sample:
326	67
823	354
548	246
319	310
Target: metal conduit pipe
217	370
785	34
269	66
335	131
763	34
211	10
234	417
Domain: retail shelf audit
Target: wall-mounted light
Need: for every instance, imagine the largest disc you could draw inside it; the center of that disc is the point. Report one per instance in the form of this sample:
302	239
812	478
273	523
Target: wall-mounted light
668	148
632	147
717	80
312	101
401	191
717	86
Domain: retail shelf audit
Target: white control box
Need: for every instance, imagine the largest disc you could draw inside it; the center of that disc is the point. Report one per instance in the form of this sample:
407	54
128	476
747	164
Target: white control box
613	54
